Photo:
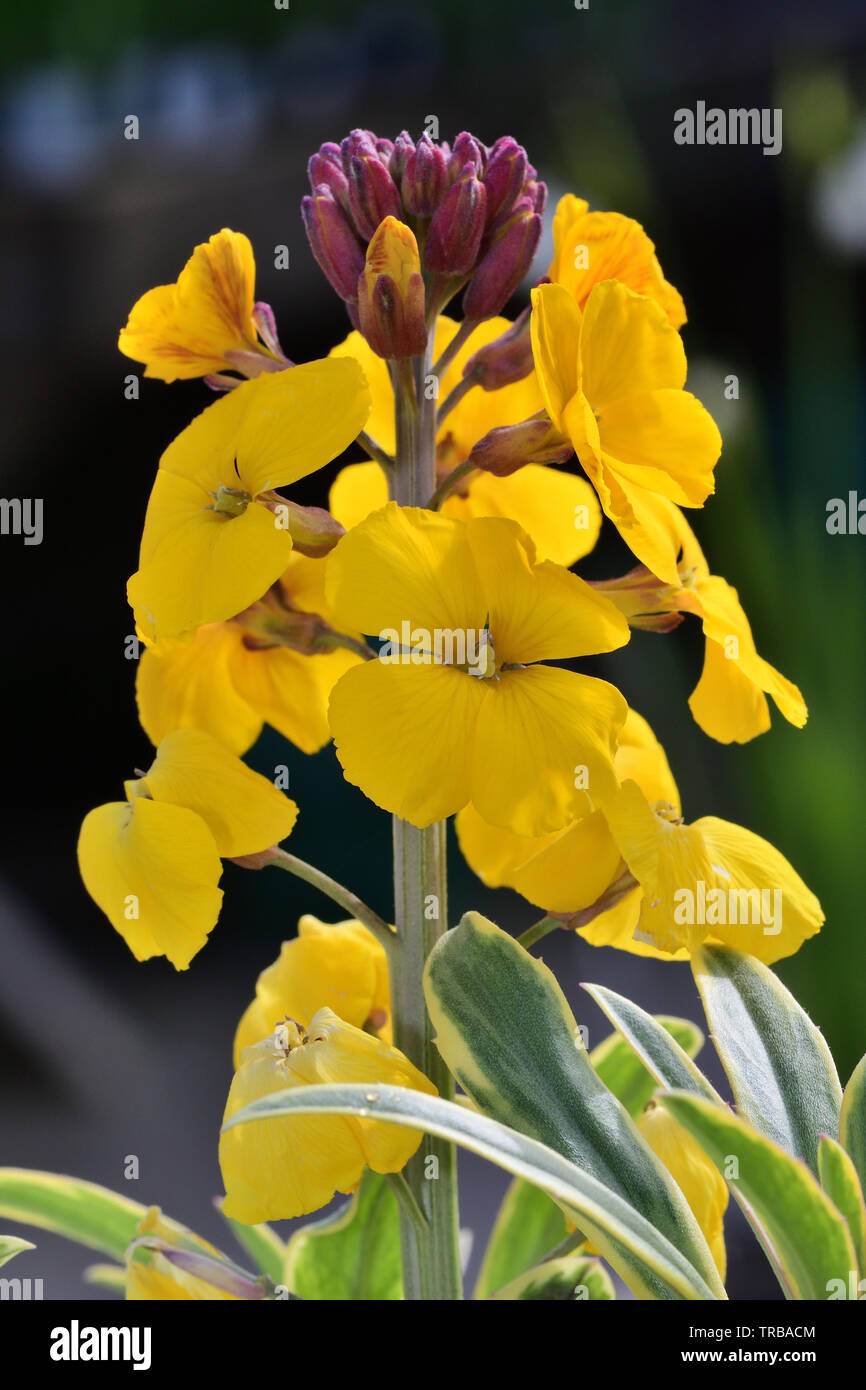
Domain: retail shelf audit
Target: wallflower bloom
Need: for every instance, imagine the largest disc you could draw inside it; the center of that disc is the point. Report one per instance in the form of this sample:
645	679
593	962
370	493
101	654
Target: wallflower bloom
151	1276
152	862
215	538
530	745
730	700
589	247
281	1168
187	329
229	682
700	1181
558	510
341	967
612	377
661	887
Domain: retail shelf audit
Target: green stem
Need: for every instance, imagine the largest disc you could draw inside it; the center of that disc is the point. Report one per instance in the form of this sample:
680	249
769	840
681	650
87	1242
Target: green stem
449	482
375	451
338	894
431	1257
538	930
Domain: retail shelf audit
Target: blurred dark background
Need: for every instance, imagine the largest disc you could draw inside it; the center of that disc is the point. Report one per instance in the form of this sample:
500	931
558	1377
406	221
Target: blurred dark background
102	1057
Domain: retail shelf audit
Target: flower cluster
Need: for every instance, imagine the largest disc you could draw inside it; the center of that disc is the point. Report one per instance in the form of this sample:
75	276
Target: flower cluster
454	517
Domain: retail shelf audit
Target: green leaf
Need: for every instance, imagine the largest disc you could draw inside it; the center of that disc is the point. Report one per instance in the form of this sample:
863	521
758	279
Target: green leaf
510	1039
262	1244
778	1064
809	1236
10	1246
353	1255
839	1180
82	1211
647	1262
570	1279
852	1121
528	1226
623	1072
659	1051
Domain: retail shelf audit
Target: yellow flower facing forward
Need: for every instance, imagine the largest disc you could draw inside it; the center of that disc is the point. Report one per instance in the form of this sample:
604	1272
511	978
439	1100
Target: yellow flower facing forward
228	681
280	1168
698	1179
558	510
661	887
216	537
730	700
341	966
186	329
152	862
589	247
612	377
457	707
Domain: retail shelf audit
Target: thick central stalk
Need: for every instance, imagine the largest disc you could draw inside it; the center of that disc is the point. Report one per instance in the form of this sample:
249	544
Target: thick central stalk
431	1262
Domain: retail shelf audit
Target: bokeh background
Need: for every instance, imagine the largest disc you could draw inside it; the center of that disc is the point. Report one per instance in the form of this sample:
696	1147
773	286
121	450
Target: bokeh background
103	1058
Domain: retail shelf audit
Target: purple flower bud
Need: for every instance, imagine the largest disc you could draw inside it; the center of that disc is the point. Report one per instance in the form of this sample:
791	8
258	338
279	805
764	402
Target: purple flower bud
506	360
537	192
466	150
373	194
385	148
504	450
454	234
425	179
404	146
332	241
326	167
505	175
503	267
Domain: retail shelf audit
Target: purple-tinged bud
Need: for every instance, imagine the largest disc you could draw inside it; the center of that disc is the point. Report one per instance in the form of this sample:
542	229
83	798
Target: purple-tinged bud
357	142
373	194
332	241
391	293
466	150
505	175
454	234
385	148
313	530
404	146
503	267
506	360
535	190
425	179
504	450
265	321
326	167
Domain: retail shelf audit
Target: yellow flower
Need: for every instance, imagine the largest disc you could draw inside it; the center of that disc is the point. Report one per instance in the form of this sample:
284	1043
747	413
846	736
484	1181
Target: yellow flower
558	510
215	536
280	1168
152	862
670	885
699	1180
223	680
150	1276
612	377
729	702
469	714
186	330
589	247
341	966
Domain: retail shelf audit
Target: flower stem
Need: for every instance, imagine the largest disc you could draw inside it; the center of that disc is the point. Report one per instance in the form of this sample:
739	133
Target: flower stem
449	482
431	1258
538	930
334	890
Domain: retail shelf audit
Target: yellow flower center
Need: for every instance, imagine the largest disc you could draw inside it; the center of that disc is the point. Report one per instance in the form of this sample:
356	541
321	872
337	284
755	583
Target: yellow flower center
230	501
289	1035
667	813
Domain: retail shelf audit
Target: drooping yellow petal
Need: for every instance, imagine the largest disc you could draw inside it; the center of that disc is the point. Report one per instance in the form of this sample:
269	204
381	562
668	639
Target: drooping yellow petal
291	691
403	734
380	422
665	441
358	490
244	812
543	748
166	1282
780	912
281	1168
185	330
627	346
493	853
340	967
153	868
555	326
641	758
559	511
590	247
633	512
698	1178
190	685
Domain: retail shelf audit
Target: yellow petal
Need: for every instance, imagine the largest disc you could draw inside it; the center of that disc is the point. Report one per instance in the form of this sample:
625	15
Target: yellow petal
627	346
290	691
590	247
357	490
403	734
573	871
167	1282
699	1180
153	869
543	748
380	422
619	927
340	967
243	810
558	510
287	1167
640	758
555	325
665	441
634	512
190	685
493	853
